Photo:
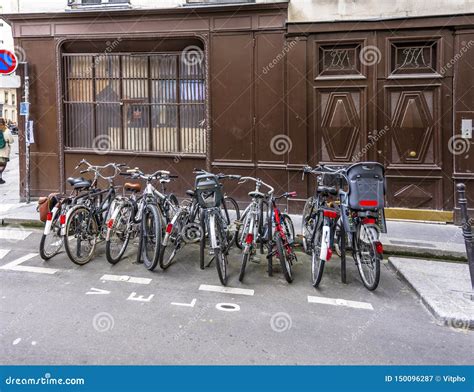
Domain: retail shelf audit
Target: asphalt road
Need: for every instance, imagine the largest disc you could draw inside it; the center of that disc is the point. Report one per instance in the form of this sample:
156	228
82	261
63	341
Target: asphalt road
66	314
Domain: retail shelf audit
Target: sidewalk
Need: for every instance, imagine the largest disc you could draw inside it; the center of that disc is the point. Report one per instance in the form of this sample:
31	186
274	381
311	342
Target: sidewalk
444	288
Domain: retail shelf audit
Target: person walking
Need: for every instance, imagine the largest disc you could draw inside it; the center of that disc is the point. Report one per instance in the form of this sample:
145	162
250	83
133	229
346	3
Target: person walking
6	139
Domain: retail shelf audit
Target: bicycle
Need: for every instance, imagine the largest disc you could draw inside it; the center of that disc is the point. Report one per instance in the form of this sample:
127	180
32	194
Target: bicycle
358	220
143	216
319	221
85	223
258	228
52	239
215	220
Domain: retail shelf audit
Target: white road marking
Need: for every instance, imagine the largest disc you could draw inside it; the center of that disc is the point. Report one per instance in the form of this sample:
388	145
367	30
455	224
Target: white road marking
14	234
125	278
16	341
93	290
15	266
339	302
228	307
3	253
227	290
33	343
140	298
191	305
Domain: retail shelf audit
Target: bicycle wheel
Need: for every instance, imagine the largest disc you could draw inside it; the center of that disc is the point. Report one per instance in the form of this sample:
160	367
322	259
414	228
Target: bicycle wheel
174	242
52	242
242	230
247	228
288	227
118	236
81	235
340	241
220	252
366	256
317	265
231	213
307	223
281	253
151	236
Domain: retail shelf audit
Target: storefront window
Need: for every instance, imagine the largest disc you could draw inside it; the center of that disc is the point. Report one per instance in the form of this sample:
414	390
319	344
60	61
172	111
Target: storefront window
141	102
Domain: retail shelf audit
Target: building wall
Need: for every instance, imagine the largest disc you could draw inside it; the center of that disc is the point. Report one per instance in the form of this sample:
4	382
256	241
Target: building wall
8	100
329	10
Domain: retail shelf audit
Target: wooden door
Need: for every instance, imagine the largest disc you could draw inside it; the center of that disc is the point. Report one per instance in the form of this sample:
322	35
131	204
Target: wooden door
414	111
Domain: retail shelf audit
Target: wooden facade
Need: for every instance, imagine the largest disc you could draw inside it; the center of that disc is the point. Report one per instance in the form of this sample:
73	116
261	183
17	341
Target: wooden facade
280	95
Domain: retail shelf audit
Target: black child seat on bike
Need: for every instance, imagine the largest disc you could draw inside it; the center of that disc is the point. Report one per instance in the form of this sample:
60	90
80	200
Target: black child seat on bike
366	186
327	190
208	190
132	186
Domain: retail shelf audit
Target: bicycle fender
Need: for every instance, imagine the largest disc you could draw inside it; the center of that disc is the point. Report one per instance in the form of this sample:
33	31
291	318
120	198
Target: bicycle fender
49	223
325	241
212	231
114	216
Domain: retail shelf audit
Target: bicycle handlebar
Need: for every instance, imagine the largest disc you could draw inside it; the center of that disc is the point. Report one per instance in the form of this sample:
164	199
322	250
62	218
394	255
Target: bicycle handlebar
325	169
259	183
96	169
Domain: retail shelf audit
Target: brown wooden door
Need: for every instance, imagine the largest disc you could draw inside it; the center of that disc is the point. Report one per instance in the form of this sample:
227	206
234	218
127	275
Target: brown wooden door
342	114
414	117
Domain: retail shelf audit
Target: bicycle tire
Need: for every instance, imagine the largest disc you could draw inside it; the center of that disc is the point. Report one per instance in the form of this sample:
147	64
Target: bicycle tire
114	259
282	256
227	199
374	257
75	258
306	225
151	235
317	264
167	259
245	259
45	255
220	254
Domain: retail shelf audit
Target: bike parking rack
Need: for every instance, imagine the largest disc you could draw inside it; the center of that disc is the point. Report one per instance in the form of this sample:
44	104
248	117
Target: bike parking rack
467	232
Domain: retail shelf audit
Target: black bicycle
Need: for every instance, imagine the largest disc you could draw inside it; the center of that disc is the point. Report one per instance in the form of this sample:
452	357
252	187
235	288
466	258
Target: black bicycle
144	215
86	222
357	219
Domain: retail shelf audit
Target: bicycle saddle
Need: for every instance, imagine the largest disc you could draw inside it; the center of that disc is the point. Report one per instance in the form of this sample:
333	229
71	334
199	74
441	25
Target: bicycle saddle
73	180
256	194
328	190
132	186
82	184
189	192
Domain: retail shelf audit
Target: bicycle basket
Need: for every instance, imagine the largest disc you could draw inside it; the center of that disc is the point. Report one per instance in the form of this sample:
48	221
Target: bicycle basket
208	191
366	186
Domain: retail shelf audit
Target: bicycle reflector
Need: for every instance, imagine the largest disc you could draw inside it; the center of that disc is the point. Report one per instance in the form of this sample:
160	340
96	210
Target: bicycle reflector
368	203
249	238
49	216
110	223
169	228
62	219
292	194
328	254
378	247
330	214
369	221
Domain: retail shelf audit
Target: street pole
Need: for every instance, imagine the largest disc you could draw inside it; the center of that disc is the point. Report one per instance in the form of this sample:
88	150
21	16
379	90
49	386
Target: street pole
26	135
466	232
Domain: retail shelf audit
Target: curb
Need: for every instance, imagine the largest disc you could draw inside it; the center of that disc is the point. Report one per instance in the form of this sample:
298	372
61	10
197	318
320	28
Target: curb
21	222
420	251
452	322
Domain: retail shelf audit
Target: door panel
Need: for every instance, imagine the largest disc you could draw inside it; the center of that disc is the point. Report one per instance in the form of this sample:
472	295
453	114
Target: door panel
414	105
232	98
